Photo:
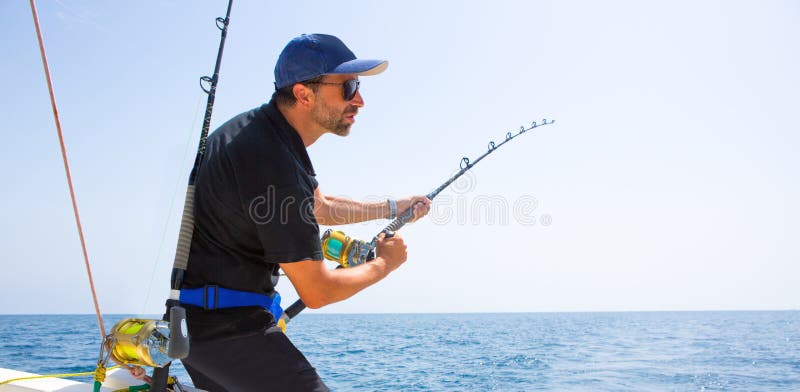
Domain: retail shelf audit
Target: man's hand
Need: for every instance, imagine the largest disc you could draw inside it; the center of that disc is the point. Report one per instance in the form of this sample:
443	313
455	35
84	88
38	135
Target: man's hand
318	286
392	250
421	205
138	373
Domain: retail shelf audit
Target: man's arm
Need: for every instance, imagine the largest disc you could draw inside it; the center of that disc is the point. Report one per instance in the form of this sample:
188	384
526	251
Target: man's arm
318	286
333	210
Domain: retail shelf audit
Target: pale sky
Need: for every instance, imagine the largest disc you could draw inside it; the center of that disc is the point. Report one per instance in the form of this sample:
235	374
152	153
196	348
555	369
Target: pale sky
668	182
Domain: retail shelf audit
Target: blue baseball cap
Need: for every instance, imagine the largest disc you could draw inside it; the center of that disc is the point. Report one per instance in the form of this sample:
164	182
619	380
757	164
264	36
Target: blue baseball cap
311	55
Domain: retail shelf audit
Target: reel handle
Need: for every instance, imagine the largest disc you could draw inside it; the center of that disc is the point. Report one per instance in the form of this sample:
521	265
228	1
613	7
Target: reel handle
371	254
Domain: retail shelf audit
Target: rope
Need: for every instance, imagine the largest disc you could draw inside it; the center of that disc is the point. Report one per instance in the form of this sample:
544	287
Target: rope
53	376
100	374
66	167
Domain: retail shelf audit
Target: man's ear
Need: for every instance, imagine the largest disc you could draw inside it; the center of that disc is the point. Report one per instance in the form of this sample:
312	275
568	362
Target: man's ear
303	94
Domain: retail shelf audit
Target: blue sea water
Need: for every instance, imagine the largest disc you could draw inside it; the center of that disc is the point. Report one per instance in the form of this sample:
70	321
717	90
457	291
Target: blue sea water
642	351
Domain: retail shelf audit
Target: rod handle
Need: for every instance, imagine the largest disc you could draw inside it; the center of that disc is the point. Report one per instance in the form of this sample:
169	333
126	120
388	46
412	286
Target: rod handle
178	333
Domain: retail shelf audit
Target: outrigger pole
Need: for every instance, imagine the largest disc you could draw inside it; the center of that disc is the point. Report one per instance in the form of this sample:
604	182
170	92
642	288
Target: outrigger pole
66	168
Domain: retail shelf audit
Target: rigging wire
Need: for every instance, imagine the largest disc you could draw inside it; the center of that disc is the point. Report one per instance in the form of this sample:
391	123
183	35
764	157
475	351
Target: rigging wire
66	168
172	203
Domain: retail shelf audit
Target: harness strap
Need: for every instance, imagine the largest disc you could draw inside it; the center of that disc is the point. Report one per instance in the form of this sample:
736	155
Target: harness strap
212	297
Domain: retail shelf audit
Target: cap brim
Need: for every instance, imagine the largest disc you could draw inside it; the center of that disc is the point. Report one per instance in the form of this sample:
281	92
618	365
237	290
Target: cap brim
361	67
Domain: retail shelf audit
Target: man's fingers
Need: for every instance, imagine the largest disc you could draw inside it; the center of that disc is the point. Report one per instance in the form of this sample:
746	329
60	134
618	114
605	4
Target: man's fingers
421	206
385	237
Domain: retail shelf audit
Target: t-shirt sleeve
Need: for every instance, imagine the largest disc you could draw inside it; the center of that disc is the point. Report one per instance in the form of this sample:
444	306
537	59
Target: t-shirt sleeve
285	223
276	195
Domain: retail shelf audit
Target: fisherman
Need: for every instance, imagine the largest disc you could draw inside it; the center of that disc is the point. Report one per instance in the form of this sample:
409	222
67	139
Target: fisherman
257	210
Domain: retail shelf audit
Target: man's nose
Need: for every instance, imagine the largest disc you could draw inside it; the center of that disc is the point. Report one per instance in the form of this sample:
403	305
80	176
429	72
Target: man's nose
357	100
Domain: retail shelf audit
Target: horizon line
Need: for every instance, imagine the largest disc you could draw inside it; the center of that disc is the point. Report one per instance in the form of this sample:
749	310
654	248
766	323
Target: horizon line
455	313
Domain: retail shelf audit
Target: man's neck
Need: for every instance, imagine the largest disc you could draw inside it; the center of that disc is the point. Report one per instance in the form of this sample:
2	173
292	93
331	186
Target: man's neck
309	132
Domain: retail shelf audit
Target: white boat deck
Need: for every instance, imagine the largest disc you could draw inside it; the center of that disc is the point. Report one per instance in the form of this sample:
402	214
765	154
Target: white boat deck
115	379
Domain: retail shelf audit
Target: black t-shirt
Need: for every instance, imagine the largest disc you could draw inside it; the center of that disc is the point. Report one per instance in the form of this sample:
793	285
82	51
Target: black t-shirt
254	200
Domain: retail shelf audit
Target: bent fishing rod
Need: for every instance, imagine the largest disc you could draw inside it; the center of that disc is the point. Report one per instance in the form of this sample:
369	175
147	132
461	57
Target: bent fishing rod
350	252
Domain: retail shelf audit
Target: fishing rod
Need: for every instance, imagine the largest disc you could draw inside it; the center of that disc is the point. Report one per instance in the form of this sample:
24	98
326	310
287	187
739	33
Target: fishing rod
181	262
187	221
350	252
155	343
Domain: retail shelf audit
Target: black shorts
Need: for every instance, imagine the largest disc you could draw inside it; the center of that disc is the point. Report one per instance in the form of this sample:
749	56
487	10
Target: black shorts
262	361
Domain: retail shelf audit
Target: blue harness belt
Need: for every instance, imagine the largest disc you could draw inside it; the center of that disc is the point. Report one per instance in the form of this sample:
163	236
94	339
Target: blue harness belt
214	297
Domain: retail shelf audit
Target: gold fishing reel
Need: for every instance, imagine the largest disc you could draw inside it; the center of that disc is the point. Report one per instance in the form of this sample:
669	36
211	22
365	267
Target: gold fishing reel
135	342
345	250
140	342
145	342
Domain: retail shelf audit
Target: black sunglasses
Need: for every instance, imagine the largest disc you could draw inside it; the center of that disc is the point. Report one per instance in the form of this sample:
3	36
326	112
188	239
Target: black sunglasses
349	87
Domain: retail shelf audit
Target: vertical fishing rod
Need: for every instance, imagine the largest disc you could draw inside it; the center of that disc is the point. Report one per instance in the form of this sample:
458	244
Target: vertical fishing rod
187	222
364	252
179	348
